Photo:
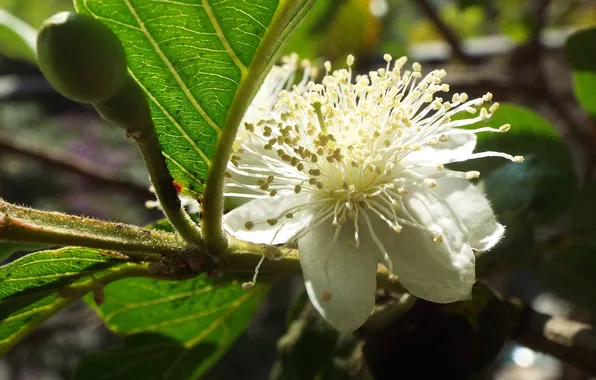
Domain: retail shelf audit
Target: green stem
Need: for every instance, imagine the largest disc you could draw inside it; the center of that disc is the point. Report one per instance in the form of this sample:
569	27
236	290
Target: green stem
76	291
129	109
22	224
287	16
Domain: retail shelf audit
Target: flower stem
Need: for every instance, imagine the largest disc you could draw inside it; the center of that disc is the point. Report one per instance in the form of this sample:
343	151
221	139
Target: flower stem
287	16
129	109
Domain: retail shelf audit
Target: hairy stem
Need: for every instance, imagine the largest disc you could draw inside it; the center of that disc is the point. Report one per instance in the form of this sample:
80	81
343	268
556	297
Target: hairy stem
22	224
129	109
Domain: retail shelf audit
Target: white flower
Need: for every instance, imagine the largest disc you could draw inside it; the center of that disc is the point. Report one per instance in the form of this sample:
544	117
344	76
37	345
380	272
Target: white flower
353	170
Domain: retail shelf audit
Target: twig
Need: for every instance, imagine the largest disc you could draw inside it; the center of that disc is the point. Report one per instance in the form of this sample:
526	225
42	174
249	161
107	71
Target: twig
562	338
449	35
73	164
22	224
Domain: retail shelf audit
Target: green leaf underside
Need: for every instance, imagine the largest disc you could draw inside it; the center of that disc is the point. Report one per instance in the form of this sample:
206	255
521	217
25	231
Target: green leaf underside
190	56
174	330
29	287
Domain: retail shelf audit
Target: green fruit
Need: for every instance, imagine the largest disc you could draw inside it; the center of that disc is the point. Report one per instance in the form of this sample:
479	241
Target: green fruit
81	57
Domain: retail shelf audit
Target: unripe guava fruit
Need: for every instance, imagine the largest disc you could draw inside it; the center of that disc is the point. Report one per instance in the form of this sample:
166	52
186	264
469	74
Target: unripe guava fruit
81	57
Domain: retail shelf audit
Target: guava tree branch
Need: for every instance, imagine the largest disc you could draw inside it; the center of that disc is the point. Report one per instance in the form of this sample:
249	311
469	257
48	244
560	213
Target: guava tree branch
570	341
74	164
23	224
450	36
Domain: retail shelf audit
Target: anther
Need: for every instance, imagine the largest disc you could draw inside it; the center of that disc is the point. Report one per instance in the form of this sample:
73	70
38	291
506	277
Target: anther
248	285
430	182
518	159
504	128
471	175
249	225
438	239
326	296
350	60
297	189
272	222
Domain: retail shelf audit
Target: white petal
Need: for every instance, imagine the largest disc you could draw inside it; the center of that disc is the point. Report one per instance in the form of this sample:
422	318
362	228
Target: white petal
351	273
259	211
440	272
458	148
473	209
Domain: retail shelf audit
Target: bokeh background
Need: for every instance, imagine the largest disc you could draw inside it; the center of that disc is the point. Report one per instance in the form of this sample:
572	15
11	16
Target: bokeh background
58	155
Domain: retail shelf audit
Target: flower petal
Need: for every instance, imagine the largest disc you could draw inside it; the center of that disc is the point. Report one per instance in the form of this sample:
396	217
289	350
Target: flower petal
473	209
440	272
458	148
259	211
351	273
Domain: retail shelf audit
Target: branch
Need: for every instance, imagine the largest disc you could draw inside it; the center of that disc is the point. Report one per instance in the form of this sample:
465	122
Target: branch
129	109
73	164
449	35
22	224
571	341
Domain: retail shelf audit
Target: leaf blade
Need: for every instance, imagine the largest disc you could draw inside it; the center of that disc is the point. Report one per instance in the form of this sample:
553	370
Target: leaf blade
195	320
29	286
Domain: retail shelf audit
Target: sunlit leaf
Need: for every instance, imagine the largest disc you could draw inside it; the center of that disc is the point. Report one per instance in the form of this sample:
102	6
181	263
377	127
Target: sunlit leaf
200	62
36	286
172	329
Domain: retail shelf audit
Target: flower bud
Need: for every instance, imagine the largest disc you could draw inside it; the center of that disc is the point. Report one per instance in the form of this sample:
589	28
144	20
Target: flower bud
81	57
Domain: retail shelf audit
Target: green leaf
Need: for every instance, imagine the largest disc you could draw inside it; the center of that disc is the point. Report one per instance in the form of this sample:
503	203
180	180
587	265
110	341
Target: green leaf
548	168
581	52
584	84
36	286
200	62
173	329
17	38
